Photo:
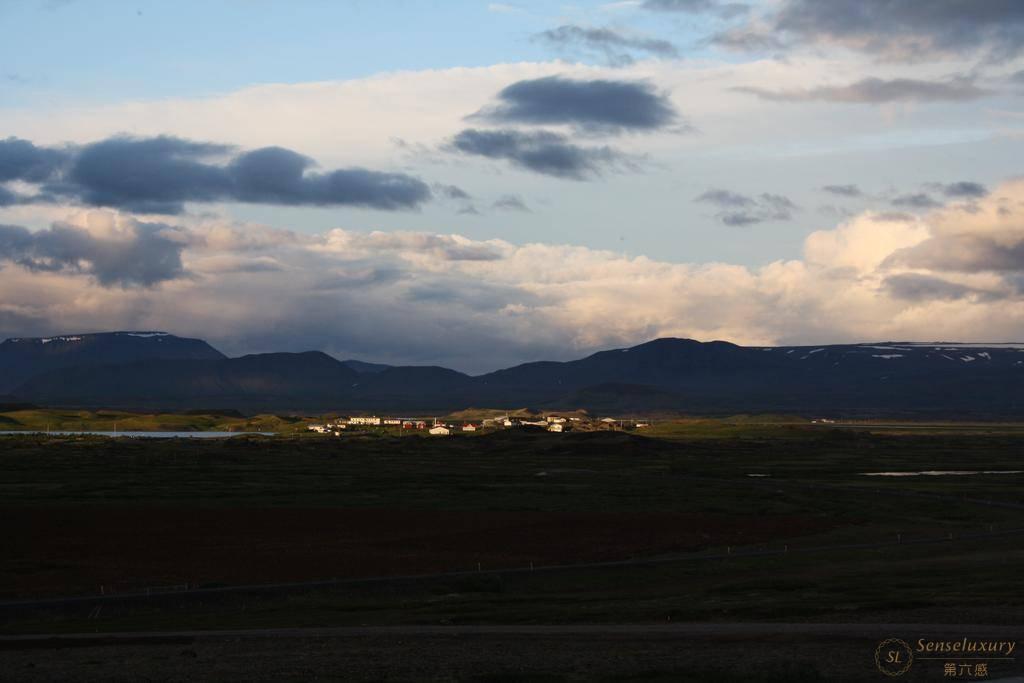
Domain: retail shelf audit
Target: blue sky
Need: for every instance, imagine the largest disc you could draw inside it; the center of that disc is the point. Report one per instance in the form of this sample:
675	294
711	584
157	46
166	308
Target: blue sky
109	50
811	160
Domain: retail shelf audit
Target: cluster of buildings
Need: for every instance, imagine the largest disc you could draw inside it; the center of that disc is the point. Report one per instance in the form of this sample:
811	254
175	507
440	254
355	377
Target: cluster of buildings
435	427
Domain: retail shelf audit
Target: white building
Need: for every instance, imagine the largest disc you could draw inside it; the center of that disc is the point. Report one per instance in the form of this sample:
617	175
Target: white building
555	427
373	421
319	429
440	431
468	428
392	421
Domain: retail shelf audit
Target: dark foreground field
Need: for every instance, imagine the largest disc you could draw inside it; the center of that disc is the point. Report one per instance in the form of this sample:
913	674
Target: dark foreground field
575	531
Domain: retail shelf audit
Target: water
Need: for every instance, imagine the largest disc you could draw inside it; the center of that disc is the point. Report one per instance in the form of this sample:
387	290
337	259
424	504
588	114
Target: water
145	435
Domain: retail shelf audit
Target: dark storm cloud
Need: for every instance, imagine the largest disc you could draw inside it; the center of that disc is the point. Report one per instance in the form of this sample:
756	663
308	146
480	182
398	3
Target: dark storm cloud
739	209
960	190
148	256
915	200
541	152
158	175
510	202
878	91
8	198
916	287
21	160
907	29
598	105
616	48
843	190
726	10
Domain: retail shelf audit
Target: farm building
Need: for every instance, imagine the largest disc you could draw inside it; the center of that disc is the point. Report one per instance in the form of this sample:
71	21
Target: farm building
440	431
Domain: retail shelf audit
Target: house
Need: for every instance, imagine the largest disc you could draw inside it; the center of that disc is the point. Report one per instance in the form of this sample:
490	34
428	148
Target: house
392	421
319	429
468	428
440	431
414	424
554	419
507	422
555	427
373	421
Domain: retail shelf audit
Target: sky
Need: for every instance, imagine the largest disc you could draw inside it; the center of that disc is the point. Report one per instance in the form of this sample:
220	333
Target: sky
476	184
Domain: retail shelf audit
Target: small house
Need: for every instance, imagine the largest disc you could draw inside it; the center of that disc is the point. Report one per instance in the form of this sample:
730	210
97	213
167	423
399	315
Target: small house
440	431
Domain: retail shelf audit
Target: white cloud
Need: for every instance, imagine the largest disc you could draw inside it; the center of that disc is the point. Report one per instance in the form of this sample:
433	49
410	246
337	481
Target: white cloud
443	298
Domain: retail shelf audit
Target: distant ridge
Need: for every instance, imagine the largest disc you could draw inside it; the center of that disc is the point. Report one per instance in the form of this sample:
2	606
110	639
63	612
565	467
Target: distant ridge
24	357
947	379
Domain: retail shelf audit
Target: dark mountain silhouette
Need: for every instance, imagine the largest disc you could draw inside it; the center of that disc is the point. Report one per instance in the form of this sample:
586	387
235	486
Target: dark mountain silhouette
362	367
283	381
890	378
25	357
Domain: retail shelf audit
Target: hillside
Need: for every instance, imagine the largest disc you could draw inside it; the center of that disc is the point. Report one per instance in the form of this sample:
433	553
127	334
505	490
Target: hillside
891	378
22	358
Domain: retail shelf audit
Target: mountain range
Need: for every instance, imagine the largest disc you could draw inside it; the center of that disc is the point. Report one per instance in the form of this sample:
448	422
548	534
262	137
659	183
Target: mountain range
156	370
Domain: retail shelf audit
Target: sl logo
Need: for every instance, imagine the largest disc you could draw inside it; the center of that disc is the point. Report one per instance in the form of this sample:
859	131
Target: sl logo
893	657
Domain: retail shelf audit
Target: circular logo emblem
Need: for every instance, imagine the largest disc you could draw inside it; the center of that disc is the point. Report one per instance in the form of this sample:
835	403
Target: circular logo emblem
893	657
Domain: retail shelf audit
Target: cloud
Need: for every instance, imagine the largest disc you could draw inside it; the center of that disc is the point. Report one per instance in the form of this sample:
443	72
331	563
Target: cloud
510	202
907	30
161	174
915	200
745	39
451	192
603	106
964	253
726	10
615	47
125	254
542	152
916	287
481	304
739	210
843	190
21	160
877	91
961	189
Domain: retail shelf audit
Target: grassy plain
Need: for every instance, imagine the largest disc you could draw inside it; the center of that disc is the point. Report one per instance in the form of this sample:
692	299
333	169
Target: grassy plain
811	539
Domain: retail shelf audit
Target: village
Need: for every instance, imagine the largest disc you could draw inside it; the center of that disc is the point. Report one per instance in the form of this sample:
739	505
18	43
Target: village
447	426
